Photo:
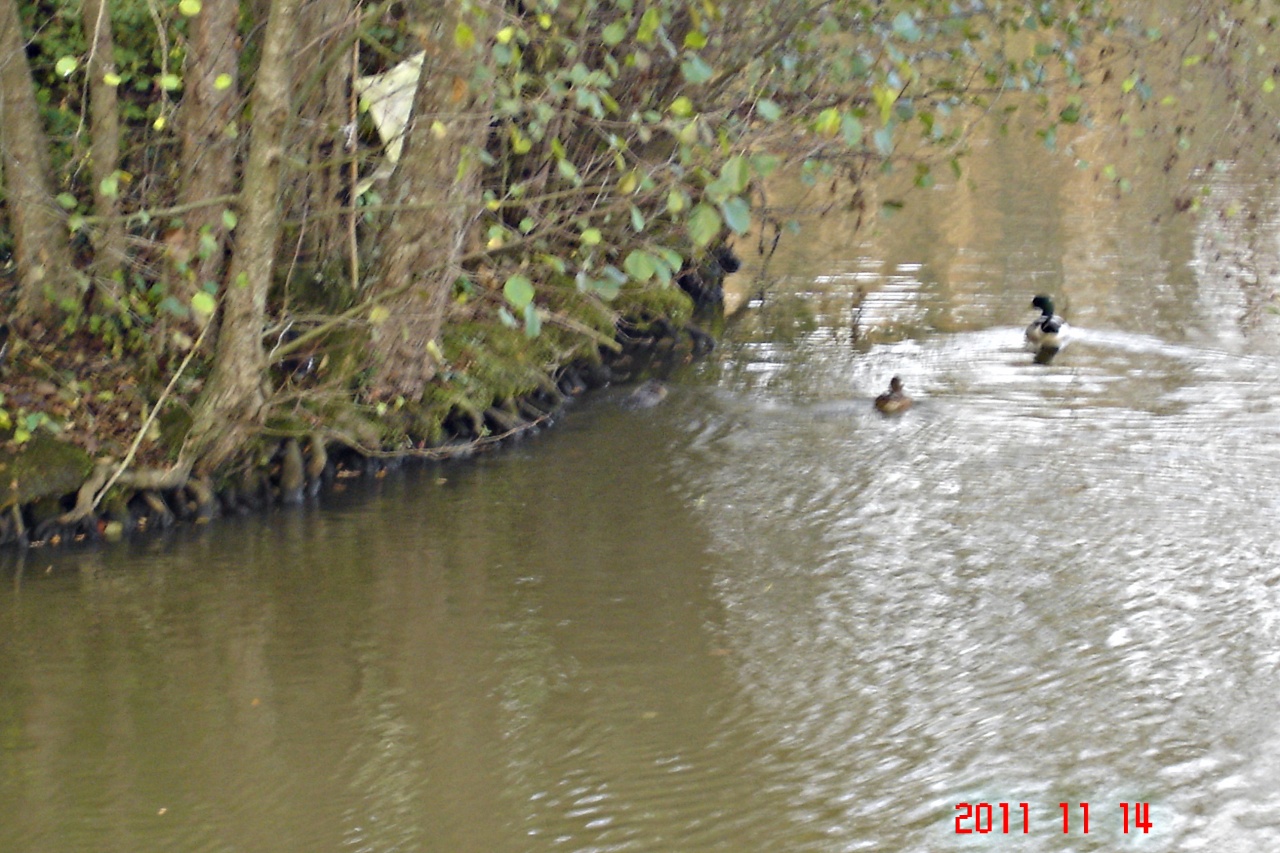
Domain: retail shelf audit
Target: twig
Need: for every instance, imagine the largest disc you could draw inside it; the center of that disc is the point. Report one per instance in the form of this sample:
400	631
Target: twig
146	424
355	172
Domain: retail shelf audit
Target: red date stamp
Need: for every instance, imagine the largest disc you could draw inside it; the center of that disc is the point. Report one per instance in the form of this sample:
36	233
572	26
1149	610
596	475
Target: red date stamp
1015	818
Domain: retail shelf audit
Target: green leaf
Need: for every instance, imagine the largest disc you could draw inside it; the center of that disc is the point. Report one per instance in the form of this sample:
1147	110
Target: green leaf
828	122
508	319
606	290
520	144
66	66
670	257
67	200
567	170
640	265
664	273
518	291
736	174
676	200
884	140
203	304
718	190
637	219
704	224
1269	85
614	33
463	36
229	220
851	130
649	24
189	8
884	98
765	164
737	214
171	305
110	186
208	244
111	79
222	81
695	70
612	283
695	39
170	82
768	110
591	237
681	107
905	26
532	322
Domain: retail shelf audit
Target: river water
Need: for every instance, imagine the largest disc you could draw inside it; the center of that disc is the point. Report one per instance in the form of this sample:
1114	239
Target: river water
759	616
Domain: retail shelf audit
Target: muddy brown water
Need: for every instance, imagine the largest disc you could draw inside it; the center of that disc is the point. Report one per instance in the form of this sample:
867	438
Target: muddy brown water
759	616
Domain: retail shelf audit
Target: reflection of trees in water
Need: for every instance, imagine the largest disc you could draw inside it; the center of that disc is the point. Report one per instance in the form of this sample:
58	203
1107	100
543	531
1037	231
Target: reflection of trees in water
1237	248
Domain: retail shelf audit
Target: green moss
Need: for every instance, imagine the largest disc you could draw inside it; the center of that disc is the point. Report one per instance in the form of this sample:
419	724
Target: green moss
646	304
175	423
44	467
492	362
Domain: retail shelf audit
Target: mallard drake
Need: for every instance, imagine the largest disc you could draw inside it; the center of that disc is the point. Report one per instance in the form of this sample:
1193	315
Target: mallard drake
1048	331
893	401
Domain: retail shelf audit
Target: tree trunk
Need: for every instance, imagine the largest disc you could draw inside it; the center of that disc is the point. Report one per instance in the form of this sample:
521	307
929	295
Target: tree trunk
46	276
109	244
436	188
233	400
323	106
208	150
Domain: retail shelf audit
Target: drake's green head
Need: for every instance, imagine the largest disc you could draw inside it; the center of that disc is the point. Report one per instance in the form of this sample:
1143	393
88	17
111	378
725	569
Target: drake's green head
1044	303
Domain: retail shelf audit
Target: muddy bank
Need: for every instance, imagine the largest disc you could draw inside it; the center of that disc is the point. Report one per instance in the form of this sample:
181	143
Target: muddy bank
54	493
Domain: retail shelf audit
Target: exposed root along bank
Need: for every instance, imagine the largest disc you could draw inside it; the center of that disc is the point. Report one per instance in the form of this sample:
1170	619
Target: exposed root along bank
58	495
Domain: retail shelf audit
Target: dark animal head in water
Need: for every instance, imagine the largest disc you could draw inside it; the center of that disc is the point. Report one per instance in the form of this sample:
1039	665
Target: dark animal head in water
647	395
